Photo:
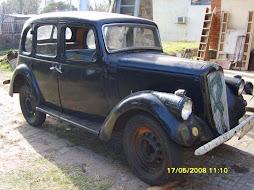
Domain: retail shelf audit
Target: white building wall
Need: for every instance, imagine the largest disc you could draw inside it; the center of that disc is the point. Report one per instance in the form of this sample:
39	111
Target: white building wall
238	14
195	21
165	12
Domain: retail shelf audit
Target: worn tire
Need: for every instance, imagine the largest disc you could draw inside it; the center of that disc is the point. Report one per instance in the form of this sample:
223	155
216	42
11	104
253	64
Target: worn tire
150	151
28	107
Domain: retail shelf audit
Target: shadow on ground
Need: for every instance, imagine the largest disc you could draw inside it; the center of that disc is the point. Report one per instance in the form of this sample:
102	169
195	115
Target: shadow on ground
106	160
66	145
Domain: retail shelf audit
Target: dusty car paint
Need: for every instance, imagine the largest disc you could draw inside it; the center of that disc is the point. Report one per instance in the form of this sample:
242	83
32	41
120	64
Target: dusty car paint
105	89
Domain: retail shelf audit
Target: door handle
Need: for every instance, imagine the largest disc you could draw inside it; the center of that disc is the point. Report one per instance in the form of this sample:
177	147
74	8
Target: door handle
56	68
52	68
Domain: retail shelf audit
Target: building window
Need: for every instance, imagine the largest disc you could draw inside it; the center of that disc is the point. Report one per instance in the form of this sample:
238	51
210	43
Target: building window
200	2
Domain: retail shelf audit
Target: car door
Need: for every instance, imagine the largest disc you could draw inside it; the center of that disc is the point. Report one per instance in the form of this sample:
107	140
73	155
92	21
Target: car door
81	83
45	63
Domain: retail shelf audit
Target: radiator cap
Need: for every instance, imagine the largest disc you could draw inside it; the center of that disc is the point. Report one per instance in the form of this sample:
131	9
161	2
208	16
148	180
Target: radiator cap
180	92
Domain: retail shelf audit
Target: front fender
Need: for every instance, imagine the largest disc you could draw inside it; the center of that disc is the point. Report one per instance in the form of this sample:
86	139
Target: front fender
26	74
147	101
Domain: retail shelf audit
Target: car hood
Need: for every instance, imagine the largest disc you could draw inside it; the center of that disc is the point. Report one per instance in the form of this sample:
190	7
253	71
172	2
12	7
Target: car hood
160	62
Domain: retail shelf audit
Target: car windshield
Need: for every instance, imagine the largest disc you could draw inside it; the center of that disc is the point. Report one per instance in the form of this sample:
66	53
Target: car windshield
121	37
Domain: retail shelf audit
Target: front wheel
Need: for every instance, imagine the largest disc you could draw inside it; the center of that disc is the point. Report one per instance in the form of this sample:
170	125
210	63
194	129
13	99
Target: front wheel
27	104
150	151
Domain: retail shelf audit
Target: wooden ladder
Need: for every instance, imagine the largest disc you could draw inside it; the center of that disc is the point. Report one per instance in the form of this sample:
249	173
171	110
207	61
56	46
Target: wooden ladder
248	41
223	30
203	49
128	7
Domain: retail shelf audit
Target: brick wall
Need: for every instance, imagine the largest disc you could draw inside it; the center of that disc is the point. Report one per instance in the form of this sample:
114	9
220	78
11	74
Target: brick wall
215	32
146	9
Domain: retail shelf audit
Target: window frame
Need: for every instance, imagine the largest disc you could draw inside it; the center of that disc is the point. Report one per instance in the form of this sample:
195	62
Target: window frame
24	37
129	49
37	25
63	43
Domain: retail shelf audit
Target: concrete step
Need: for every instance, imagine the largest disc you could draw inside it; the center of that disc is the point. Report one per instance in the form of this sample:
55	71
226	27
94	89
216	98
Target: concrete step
246	74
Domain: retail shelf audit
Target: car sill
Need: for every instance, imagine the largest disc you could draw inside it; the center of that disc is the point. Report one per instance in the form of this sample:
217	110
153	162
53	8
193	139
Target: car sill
89	126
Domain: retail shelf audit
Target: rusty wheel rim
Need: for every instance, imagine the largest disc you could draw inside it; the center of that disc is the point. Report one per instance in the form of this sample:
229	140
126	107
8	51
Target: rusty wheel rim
148	150
29	103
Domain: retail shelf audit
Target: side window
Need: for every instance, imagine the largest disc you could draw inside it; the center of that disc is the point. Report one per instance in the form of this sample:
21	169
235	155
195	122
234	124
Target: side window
90	40
28	41
80	44
46	43
68	33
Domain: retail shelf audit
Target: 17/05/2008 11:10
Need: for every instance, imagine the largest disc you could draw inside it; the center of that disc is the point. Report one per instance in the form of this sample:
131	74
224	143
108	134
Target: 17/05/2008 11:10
197	170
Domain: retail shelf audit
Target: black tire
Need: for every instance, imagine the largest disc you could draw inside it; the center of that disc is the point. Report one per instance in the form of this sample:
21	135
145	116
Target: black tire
28	107
150	151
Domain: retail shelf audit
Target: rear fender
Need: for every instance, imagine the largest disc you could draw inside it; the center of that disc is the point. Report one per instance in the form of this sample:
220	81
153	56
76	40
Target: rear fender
21	75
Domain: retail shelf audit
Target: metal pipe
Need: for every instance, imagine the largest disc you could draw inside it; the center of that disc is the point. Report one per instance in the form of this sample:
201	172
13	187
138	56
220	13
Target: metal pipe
112	6
137	7
222	138
118	6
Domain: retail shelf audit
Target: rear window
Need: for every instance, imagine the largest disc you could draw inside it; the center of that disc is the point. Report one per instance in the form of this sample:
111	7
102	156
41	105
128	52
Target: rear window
46	40
28	41
80	44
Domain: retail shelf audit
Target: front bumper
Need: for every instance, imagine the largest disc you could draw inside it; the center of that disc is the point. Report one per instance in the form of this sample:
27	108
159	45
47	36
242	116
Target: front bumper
245	126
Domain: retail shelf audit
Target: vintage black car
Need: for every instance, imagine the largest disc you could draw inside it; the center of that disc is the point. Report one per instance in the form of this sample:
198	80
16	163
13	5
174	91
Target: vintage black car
107	72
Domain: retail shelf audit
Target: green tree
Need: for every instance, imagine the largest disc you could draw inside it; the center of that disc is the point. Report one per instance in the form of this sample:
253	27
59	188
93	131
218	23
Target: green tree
57	6
8	7
99	6
19	7
31	6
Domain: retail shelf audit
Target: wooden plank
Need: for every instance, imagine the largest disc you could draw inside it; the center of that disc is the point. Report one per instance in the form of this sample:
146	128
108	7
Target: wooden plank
249	38
223	30
205	36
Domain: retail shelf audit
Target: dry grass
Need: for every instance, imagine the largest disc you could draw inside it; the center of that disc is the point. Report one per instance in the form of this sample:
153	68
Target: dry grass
4	65
171	48
42	174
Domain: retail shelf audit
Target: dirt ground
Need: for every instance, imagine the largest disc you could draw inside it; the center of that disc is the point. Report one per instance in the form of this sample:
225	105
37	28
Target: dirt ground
59	156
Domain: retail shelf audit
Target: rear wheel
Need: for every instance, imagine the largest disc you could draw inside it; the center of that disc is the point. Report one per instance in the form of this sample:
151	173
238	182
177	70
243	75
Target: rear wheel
28	107
150	151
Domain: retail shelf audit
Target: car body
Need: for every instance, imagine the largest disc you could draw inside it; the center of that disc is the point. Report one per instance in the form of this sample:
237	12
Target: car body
107	72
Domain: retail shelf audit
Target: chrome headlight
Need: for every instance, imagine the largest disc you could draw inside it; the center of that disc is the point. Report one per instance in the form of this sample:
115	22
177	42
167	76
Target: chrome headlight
178	104
235	84
186	110
248	88
241	88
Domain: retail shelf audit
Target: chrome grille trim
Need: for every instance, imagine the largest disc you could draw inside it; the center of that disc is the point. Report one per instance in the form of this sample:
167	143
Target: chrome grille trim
218	99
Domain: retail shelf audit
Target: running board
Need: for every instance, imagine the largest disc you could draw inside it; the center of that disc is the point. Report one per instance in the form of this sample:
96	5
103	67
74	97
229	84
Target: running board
87	125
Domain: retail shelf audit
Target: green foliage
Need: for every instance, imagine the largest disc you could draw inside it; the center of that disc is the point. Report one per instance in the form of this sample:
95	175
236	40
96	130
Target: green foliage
4	51
19	6
57	6
8	7
98	6
31	6
4	65
171	48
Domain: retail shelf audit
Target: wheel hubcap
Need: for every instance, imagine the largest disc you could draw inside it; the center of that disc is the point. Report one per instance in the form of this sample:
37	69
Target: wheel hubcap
29	105
147	149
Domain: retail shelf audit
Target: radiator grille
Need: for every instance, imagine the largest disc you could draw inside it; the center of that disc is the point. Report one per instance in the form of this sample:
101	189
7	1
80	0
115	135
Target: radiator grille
218	98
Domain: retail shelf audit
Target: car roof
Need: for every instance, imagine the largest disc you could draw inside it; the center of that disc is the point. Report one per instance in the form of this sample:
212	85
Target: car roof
92	17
